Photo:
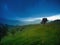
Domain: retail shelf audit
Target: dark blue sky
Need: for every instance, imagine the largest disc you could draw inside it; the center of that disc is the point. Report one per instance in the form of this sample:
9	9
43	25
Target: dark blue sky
13	9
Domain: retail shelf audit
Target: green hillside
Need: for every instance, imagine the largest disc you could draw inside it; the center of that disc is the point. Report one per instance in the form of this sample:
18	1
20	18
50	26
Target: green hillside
37	34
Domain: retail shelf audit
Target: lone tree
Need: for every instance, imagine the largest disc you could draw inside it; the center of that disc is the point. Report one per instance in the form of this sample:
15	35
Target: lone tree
3	31
44	20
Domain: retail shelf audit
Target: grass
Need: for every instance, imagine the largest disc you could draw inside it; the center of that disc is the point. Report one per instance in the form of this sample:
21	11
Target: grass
37	34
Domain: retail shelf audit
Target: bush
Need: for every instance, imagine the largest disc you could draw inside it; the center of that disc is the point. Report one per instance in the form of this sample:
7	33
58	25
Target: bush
13	32
3	30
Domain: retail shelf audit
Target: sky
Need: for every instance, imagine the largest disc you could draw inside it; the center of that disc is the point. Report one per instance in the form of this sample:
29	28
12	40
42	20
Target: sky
28	11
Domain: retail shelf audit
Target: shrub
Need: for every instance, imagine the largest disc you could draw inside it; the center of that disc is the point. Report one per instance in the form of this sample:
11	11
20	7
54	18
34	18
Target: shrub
3	30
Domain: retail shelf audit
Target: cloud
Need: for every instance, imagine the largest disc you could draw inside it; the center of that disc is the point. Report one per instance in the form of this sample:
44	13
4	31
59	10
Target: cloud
54	17
31	19
50	18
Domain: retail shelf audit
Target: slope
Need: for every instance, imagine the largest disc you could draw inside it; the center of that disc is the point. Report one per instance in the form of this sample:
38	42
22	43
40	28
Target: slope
37	34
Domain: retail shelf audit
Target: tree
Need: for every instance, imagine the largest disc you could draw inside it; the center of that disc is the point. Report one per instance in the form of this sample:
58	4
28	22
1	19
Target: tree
3	30
44	20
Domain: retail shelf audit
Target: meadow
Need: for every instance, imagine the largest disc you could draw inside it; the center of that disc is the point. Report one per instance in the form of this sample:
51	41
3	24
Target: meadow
34	34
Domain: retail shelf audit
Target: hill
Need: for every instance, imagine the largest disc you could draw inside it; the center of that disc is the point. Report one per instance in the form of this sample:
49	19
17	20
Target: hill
35	34
56	21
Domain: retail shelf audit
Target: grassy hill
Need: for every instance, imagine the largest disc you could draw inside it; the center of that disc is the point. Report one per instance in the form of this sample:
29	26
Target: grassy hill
37	34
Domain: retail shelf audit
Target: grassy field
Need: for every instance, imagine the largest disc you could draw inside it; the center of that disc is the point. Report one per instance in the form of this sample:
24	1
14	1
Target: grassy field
37	34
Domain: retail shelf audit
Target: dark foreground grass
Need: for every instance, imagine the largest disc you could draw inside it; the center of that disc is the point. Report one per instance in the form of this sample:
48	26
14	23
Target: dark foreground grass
48	34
